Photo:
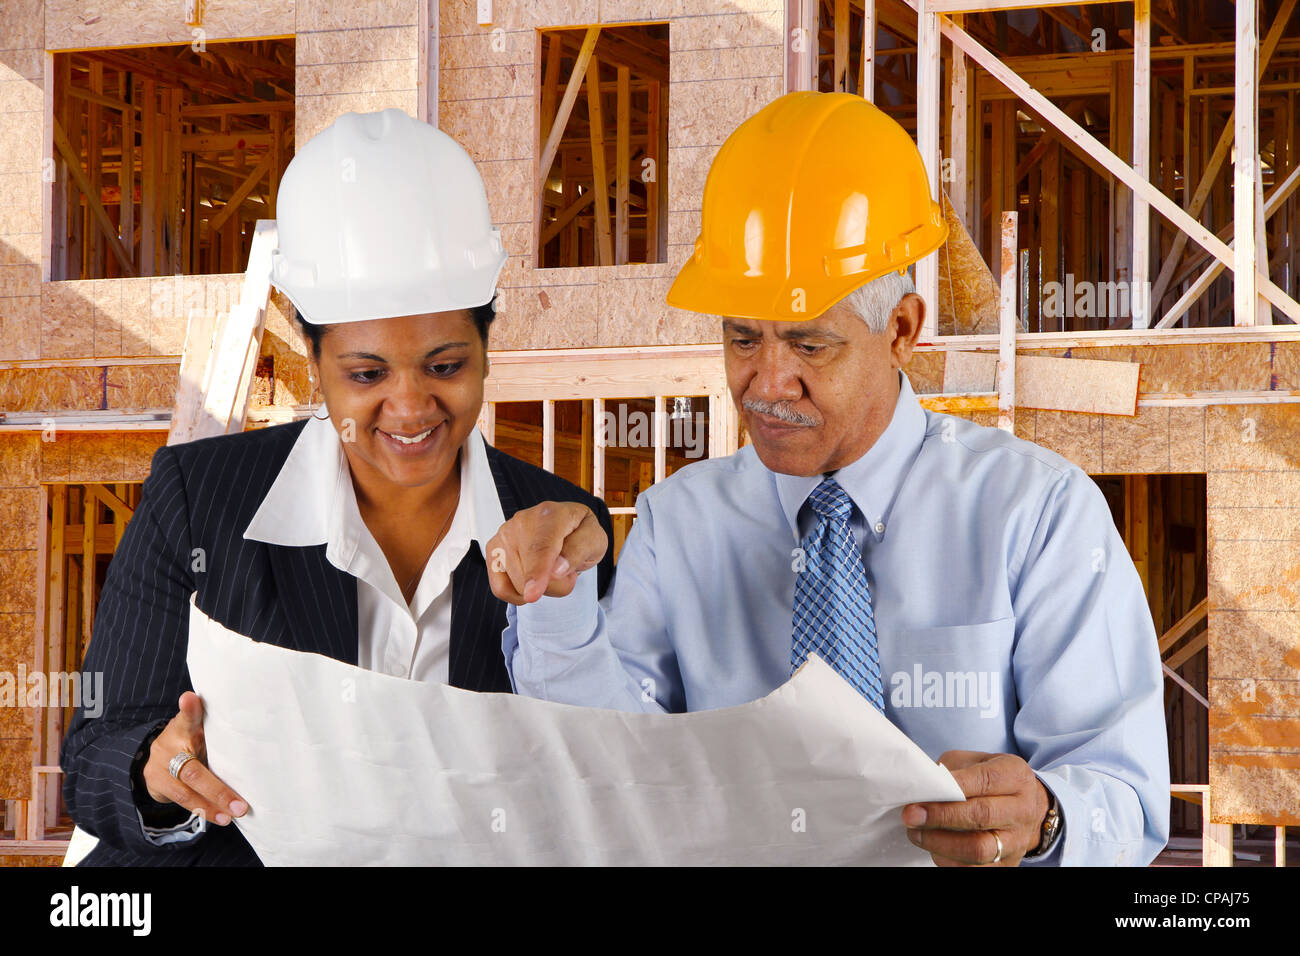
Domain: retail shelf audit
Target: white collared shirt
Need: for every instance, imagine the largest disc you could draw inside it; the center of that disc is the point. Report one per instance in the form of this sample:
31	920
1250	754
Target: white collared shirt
313	502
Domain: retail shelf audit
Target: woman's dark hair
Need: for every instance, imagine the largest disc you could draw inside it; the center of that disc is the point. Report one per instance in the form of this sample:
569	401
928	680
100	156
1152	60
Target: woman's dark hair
480	315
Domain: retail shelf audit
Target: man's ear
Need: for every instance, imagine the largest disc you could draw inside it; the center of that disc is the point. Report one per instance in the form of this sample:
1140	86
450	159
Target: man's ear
908	318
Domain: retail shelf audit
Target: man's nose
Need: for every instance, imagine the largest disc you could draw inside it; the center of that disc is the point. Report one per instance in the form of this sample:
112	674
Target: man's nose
776	377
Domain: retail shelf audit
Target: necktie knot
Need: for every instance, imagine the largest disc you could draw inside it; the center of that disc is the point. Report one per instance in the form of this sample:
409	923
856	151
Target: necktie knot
829	500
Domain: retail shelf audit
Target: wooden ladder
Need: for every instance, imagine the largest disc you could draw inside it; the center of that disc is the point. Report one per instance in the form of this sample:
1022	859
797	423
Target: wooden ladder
221	350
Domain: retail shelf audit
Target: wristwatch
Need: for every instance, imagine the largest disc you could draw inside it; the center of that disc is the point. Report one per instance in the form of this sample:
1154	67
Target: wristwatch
1051	826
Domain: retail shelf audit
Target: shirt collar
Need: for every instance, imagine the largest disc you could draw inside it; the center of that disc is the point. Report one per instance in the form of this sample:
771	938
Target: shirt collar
313	492
873	480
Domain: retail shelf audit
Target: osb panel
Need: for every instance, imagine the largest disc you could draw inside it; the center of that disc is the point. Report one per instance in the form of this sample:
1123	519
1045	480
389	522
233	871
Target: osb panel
504	80
56	457
457	19
925	371
1187	368
1073	435
97	456
1254	575
19	511
17	572
137	453
313	113
356	77
1236	523
17	635
106	301
20	459
1253	437
67	320
20	137
1135	445
1260	489
510	192
688	168
332	15
554	317
713	109
1187	439
611	10
970	371
77	24
136	316
1286	365
16	768
490	129
729	30
20	328
19	279
51	389
1254	788
968	294
1076	385
688	65
23	23
30	861
356	46
142	386
1254	645
484	48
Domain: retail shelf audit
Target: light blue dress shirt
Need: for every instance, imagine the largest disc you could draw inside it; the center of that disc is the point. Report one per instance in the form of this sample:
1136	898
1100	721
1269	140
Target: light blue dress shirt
1009	615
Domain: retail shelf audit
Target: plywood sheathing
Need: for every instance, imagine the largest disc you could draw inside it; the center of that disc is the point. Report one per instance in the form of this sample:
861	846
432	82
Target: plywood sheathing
722	68
1253	531
354	57
968	293
79	24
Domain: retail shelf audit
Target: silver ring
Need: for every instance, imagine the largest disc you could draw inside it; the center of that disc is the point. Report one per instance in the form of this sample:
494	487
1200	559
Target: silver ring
177	762
998	858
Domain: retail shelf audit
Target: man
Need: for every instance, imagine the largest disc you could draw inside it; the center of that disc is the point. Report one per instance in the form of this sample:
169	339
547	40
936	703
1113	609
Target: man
969	584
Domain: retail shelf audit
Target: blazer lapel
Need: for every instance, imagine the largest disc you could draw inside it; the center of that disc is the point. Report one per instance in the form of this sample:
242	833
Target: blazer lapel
318	600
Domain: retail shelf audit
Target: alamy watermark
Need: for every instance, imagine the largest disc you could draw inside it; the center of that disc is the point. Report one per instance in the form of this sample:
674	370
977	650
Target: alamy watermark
55	689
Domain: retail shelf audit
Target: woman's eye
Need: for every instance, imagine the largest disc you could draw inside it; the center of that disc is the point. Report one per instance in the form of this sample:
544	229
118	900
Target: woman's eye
367	376
446	369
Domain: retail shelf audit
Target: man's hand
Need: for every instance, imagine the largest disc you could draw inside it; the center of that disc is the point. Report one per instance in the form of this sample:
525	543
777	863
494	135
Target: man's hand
196	788
542	549
1003	796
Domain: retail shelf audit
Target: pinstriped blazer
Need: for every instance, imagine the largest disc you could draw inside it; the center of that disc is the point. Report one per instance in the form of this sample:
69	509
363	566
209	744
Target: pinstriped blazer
187	536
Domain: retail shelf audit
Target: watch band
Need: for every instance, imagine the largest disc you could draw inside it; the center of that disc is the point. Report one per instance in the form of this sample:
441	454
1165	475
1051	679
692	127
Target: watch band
1051	828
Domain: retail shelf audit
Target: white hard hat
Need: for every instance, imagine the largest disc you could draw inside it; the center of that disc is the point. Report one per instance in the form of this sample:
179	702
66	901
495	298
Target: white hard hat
381	215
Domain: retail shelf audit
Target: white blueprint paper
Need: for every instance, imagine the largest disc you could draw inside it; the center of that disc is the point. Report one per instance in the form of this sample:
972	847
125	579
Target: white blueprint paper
345	766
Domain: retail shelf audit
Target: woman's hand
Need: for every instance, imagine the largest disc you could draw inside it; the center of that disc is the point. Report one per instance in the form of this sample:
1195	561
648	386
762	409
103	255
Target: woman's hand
196	787
542	550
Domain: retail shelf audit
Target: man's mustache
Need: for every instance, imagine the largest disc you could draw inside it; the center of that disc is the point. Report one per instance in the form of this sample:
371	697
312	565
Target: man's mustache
779	410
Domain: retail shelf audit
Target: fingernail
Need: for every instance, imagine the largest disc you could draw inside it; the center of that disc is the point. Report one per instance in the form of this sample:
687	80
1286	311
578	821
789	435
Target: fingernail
913	816
561	567
528	588
222	819
238	807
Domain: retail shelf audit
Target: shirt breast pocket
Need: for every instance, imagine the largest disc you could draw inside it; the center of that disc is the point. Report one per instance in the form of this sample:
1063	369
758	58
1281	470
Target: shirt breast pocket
951	687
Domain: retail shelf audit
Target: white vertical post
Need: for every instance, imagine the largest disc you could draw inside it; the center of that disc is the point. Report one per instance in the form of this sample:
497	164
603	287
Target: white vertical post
1140	299
598	438
487	422
660	439
869	50
957	192
1246	167
548	434
1007	325
927	141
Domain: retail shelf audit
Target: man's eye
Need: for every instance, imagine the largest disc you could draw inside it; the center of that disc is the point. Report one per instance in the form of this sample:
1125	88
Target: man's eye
805	349
743	343
367	376
446	369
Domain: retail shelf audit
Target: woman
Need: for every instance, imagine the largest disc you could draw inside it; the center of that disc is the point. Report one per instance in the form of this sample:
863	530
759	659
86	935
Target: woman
359	533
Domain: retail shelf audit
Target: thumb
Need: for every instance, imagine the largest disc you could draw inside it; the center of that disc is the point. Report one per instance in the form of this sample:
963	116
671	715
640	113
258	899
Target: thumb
191	715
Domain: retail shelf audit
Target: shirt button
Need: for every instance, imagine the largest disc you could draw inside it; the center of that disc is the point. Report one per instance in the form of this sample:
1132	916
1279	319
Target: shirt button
880	527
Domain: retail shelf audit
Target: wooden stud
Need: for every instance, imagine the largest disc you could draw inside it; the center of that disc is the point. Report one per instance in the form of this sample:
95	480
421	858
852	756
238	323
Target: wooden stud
548	434
599	437
927	138
660	439
580	70
1141	140
652	221
840	64
623	159
1007	323
604	245
868	84
958	123
1246	165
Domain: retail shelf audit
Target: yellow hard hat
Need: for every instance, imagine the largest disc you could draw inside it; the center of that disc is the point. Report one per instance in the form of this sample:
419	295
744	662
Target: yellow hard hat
811	197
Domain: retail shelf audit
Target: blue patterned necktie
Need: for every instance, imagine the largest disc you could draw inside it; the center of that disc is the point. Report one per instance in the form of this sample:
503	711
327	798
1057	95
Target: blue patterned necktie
832	603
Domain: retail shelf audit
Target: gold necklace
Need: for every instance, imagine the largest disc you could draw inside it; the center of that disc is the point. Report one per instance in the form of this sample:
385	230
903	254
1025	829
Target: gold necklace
420	570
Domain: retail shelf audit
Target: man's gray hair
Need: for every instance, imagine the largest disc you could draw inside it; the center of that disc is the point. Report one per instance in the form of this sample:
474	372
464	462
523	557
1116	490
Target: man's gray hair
876	300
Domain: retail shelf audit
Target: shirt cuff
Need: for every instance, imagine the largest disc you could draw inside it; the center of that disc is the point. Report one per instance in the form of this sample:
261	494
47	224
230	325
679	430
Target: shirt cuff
181	833
561	622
